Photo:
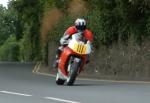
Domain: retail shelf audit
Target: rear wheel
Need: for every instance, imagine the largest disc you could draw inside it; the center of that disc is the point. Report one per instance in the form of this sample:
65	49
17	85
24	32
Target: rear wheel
59	81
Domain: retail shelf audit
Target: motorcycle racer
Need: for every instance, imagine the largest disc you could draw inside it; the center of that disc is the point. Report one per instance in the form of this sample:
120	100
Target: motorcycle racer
84	34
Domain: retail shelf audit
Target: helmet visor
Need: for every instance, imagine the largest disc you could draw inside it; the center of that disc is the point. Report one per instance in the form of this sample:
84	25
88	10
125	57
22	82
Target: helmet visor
81	27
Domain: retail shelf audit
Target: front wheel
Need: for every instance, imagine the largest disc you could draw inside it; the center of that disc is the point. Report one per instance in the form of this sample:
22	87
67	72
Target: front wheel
73	72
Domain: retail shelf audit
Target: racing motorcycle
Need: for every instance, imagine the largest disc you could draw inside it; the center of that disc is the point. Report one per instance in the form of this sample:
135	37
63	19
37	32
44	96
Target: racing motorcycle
72	60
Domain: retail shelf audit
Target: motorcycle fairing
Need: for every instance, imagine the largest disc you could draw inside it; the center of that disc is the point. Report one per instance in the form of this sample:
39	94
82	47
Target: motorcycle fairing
67	52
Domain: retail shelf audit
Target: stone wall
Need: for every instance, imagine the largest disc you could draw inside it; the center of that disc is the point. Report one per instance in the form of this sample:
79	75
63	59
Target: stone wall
118	62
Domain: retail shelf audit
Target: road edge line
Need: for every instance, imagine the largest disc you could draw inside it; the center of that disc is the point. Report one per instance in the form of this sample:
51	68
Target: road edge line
37	68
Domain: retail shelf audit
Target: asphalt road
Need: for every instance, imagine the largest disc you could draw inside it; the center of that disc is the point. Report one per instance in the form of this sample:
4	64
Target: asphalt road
19	85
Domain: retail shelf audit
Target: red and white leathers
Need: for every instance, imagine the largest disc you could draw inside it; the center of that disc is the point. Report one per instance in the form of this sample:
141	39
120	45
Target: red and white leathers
87	34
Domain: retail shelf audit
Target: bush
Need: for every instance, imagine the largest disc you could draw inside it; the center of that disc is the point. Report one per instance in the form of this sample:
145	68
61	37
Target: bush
25	49
9	51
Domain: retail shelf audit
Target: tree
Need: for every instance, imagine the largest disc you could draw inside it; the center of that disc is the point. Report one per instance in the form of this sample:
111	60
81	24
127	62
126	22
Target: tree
7	26
30	14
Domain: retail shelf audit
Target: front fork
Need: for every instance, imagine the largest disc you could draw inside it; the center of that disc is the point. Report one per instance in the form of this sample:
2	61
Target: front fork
72	60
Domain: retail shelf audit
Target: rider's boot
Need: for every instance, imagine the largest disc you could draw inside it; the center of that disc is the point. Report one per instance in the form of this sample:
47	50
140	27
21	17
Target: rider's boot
88	59
55	64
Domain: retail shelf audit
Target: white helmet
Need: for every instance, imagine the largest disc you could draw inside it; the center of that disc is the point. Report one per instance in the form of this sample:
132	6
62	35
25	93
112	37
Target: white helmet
80	24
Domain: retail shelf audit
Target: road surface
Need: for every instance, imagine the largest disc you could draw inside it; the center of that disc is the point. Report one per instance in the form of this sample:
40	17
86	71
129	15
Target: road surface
19	85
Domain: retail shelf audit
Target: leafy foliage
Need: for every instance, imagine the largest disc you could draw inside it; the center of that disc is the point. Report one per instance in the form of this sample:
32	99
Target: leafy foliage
9	51
7	23
30	13
110	20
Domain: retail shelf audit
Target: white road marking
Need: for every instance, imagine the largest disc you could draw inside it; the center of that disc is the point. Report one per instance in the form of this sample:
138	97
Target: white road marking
61	100
50	98
13	93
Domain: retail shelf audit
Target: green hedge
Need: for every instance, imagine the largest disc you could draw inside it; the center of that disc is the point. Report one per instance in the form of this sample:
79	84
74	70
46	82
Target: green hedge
9	51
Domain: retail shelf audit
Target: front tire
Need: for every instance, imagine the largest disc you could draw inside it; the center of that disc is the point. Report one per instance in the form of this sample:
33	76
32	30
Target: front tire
73	73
